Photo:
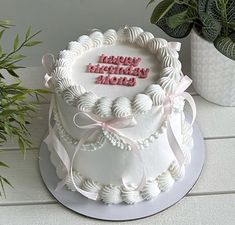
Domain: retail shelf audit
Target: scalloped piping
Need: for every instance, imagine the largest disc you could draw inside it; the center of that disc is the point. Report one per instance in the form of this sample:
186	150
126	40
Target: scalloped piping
106	135
86	42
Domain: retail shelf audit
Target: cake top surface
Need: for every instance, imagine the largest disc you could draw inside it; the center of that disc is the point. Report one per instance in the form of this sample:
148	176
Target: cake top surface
130	70
126	70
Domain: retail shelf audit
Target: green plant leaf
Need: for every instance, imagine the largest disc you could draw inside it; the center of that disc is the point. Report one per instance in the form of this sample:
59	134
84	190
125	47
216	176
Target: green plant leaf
7	129
211	27
160	10
232	36
28	32
177	19
202	5
18	57
215	9
32	43
6	181
230	10
1	33
226	46
12	72
180	31
21	144
2	187
16	42
3	137
5	24
3	164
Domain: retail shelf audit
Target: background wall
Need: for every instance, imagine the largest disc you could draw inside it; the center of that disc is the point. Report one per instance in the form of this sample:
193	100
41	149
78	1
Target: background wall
62	21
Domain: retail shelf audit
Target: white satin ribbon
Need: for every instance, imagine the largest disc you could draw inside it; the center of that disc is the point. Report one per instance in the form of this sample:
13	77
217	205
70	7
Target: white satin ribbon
174	45
97	124
55	144
168	105
48	61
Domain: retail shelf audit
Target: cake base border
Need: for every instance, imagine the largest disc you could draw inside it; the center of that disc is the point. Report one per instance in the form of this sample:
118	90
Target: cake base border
123	212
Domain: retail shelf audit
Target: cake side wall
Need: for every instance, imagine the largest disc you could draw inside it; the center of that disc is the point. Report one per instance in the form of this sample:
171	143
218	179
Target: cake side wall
109	163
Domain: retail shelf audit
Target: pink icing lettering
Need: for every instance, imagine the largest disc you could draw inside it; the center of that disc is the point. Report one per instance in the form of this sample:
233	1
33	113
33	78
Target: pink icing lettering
136	61
121	69
136	72
113	80
120	81
125	81
129	59
132	81
111	70
117	70
107	79
101	70
101	59
143	73
121	60
113	59
97	69
90	68
126	62
106	68
128	70
110	60
100	79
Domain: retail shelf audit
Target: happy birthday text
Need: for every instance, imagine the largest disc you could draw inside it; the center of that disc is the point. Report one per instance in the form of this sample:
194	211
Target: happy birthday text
120	65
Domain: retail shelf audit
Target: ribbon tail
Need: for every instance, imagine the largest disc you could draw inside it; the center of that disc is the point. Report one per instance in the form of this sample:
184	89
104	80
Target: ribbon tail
48	81
192	104
54	144
48	61
86	135
179	155
61	184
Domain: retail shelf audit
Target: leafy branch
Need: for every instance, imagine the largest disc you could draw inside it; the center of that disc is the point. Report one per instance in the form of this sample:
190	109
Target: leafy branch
14	108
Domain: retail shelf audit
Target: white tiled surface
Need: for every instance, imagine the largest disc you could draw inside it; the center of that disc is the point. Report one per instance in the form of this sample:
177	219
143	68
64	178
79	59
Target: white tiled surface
210	202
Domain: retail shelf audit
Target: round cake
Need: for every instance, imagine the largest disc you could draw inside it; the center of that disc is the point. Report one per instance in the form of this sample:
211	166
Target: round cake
119	131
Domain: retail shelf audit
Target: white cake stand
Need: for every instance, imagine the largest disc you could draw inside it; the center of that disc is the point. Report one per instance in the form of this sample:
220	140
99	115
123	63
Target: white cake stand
123	212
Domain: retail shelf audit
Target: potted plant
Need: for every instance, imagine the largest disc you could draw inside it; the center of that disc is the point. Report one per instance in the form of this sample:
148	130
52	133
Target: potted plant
14	109
212	42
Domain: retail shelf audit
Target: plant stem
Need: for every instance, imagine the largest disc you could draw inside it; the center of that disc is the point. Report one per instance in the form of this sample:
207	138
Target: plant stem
22	45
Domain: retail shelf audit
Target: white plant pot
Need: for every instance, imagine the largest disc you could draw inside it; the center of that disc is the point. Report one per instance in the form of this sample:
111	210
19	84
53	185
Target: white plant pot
213	74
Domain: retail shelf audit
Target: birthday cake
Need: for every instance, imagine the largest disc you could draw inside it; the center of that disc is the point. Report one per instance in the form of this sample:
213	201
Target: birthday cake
119	132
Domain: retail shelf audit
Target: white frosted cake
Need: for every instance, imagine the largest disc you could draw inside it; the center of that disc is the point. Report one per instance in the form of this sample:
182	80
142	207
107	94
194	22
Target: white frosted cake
119	132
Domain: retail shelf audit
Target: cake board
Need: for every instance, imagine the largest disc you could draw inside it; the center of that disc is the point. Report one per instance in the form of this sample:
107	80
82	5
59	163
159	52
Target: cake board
124	212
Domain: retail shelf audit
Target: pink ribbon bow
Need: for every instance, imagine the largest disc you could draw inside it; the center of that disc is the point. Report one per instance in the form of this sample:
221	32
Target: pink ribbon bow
111	125
184	83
